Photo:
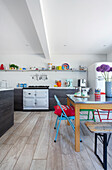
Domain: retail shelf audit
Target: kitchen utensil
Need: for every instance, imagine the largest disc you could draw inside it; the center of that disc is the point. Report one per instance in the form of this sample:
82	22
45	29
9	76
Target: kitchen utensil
81	82
65	66
68	82
44	77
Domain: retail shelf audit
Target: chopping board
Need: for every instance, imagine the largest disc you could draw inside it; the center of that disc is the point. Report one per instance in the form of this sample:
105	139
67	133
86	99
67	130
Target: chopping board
82	96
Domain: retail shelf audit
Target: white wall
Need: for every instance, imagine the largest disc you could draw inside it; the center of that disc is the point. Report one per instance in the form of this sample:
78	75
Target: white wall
38	61
109	57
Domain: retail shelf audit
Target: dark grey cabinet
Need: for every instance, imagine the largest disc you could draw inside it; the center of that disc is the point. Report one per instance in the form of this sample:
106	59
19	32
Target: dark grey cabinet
6	110
18	99
61	94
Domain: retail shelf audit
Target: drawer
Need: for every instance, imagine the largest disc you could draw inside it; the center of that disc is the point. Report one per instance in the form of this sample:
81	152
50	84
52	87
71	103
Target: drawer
28	93
41	93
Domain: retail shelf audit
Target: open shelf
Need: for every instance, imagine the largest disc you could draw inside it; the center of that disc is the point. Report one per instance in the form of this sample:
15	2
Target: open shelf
43	70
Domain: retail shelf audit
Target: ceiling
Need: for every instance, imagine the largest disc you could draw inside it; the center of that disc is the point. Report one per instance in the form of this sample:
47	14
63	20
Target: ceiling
70	27
17	31
79	26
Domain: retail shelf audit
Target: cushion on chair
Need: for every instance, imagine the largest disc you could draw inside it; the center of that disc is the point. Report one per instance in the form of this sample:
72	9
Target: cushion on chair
69	110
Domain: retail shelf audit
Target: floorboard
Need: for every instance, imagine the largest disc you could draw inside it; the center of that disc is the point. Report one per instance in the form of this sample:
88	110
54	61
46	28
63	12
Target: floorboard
29	145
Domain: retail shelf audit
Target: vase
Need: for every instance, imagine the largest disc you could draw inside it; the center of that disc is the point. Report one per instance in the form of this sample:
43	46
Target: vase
108	88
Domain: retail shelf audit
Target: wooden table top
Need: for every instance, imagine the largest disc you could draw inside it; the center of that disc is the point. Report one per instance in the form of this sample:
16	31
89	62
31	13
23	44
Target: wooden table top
99	127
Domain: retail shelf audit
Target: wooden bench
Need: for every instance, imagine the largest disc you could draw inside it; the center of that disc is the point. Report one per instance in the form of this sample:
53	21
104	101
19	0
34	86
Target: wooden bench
101	129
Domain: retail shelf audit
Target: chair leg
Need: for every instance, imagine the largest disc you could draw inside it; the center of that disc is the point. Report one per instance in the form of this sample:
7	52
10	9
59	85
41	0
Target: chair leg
108	115
57	130
99	115
93	116
68	123
88	115
56	123
71	123
59	127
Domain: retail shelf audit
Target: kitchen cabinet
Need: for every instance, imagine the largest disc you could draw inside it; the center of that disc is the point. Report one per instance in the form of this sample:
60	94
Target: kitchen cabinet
18	99
61	94
6	110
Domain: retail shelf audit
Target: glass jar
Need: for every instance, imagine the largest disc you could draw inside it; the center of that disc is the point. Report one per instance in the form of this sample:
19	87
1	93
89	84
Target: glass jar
49	66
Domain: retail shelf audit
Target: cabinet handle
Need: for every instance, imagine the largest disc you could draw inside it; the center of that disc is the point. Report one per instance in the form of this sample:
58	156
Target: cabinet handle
29	93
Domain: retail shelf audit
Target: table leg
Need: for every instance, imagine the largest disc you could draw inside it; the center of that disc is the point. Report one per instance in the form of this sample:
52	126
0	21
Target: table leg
68	103
95	143
103	140
105	151
77	127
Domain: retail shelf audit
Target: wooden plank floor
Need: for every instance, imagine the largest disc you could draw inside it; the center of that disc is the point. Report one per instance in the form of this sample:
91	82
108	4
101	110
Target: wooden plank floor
29	145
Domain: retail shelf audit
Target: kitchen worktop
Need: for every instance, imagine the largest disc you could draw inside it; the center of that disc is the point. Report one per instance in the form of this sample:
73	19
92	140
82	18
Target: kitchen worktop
52	88
62	87
6	89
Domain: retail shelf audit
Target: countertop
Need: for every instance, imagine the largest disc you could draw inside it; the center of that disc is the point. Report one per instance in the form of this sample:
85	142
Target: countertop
62	87
3	89
52	88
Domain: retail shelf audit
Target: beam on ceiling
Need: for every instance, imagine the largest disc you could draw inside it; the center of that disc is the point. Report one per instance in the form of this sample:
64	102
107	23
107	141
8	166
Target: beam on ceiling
35	10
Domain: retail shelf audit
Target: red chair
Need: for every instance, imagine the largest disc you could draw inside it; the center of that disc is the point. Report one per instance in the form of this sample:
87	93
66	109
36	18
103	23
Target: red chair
103	112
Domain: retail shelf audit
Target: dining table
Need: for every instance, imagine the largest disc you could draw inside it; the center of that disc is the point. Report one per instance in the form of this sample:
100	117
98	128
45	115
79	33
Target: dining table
85	103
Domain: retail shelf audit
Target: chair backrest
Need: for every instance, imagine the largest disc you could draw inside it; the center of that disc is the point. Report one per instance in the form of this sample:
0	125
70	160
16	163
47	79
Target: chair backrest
59	104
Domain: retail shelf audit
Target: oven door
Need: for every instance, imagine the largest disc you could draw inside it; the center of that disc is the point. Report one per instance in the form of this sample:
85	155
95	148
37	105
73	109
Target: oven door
41	93
29	103
41	103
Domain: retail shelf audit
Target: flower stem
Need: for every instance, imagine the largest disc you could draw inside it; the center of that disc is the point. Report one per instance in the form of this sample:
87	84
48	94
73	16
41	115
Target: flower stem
103	76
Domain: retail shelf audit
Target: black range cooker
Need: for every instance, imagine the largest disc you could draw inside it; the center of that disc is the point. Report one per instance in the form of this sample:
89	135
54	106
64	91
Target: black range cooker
37	87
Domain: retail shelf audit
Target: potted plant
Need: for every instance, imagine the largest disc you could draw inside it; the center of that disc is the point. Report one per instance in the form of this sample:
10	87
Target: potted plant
105	70
13	67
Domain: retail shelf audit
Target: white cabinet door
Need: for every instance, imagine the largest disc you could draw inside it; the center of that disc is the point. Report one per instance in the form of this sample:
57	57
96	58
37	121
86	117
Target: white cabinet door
40	93
41	103
29	102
